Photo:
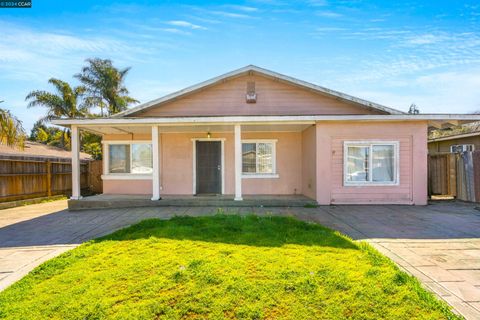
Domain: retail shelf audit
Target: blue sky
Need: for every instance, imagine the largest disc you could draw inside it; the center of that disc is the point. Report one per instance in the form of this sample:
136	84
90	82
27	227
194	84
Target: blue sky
393	53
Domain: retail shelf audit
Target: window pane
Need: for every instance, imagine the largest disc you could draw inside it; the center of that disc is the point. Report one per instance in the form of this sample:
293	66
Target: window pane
357	163
265	158
383	163
249	155
119	158
142	158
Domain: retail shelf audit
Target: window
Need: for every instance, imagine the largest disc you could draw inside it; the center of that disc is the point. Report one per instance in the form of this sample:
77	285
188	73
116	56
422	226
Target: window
370	163
258	158
459	148
133	158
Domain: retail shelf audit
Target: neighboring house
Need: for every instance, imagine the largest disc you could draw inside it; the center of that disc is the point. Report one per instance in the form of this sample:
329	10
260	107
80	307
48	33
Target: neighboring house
38	150
455	143
256	132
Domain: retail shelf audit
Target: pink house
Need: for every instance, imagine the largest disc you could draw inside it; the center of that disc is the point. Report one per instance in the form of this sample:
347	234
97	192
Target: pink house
256	132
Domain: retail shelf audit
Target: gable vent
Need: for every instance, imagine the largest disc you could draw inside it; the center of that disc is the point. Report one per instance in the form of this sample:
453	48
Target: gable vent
251	95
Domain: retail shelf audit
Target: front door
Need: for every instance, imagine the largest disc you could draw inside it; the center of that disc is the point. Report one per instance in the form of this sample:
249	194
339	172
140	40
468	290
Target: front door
209	167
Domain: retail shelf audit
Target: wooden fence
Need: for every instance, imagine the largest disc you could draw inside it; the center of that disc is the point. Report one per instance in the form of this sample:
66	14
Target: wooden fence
455	174
442	173
33	177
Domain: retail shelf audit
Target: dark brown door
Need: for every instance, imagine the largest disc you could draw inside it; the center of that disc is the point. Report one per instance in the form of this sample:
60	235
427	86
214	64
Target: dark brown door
209	167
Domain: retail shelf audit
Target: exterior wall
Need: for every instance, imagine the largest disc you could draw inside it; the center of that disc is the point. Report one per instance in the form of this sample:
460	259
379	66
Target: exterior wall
137	187
444	146
176	165
309	160
412	188
273	98
289	165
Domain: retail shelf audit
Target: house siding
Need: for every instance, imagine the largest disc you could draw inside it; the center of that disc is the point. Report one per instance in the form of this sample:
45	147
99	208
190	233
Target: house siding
176	165
412	188
273	98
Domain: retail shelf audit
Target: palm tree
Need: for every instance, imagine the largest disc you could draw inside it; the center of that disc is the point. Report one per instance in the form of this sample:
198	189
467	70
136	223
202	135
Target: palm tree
11	130
64	103
104	84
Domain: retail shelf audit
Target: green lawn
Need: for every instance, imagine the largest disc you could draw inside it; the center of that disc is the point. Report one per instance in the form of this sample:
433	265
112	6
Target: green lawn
223	266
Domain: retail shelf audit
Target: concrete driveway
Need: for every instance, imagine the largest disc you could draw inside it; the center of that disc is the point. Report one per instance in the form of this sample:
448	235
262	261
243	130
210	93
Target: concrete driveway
439	243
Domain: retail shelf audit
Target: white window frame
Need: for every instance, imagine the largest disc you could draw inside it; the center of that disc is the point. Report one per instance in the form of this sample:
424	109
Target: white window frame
370	144
274	174
127	175
464	147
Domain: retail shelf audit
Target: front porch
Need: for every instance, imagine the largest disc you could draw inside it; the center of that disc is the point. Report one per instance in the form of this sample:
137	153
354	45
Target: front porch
267	164
133	201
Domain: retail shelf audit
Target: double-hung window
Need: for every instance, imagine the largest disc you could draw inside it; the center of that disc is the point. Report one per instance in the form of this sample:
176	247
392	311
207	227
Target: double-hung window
129	158
258	158
371	163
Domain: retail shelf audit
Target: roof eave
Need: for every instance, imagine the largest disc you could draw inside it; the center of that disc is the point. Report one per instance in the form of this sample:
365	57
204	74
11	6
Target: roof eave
267	119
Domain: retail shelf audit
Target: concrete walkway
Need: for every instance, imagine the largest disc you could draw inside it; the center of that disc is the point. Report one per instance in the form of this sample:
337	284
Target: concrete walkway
439	243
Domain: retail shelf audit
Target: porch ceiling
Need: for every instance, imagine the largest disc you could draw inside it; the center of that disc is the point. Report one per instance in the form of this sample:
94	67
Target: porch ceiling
121	129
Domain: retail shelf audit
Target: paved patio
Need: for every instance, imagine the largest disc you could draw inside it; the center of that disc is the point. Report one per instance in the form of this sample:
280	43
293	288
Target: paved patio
439	243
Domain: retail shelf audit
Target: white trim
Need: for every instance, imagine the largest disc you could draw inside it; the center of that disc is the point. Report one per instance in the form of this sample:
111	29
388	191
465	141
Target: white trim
194	162
155	164
75	143
107	175
211	120
271	74
238	161
370	143
126	176
257	174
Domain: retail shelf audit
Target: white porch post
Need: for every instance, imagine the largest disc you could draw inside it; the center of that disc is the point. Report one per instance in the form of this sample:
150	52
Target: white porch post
238	162
156	164
75	142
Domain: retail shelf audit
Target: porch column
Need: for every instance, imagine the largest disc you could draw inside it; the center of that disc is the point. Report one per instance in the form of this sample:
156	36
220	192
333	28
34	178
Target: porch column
75	143
156	164
238	162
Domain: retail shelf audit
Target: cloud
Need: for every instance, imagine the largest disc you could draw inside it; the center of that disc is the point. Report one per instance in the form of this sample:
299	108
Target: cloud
424	39
328	14
185	24
175	30
242	8
228	14
436	92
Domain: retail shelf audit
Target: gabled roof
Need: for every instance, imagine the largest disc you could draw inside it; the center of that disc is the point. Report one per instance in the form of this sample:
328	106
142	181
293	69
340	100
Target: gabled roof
251	69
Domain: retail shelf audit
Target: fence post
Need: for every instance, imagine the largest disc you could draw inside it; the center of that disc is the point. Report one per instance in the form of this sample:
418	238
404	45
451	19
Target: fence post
49	178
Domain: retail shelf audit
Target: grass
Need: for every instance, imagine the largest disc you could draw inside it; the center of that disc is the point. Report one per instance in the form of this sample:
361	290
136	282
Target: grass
217	267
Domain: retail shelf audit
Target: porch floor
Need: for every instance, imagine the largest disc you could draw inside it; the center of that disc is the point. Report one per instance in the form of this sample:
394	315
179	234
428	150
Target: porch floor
132	201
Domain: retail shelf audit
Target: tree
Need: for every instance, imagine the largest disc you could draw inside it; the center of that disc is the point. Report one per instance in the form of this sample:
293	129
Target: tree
64	103
91	144
413	109
105	86
11	130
